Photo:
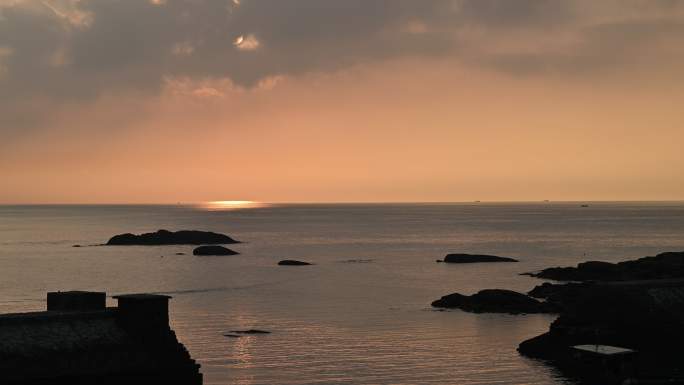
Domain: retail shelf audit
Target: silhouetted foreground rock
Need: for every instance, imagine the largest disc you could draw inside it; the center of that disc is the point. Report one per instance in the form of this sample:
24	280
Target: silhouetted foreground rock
624	323
493	301
165	237
475	258
79	341
292	262
661	266
646	316
561	296
550	290
213	250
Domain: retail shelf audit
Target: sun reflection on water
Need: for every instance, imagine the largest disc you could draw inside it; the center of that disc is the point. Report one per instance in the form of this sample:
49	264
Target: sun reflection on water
242	351
231	205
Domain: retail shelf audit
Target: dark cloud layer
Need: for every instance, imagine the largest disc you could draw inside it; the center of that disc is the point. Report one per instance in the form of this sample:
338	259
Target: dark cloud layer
76	50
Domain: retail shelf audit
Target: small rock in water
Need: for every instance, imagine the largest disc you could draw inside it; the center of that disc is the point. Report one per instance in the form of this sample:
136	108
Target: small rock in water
213	250
165	237
180	253
494	301
76	246
292	262
475	258
250	331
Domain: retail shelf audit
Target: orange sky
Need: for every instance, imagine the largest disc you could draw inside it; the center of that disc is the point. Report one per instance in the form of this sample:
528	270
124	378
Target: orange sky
405	128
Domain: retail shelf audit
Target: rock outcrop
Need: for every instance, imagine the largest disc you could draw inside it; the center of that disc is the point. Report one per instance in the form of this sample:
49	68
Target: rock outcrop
292	262
494	301
475	258
561	296
662	266
213	250
165	237
631	313
645	316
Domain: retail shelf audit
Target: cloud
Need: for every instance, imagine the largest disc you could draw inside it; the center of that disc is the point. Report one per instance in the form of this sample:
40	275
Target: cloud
502	14
606	49
79	50
246	43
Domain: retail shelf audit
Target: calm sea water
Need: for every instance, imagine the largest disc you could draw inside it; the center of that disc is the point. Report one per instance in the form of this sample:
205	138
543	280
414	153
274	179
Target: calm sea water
338	322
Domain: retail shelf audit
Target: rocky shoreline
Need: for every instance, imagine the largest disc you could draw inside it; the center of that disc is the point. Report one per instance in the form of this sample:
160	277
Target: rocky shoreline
618	322
636	305
662	266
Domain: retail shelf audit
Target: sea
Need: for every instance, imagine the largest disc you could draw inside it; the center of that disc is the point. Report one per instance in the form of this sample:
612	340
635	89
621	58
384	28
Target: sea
361	313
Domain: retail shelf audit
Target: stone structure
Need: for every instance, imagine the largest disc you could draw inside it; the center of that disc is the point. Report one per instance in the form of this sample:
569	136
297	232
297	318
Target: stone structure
78	340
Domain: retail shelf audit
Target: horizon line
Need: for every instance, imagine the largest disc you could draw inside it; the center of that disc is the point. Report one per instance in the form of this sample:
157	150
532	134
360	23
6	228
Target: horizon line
191	203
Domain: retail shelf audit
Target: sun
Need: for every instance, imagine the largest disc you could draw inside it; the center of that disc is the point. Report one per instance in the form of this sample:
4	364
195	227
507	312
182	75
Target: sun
231	205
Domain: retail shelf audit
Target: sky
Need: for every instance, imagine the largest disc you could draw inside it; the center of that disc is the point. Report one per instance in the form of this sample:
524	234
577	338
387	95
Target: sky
164	101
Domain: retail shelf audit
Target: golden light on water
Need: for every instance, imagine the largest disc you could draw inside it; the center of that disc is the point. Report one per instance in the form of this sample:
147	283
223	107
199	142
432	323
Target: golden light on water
231	205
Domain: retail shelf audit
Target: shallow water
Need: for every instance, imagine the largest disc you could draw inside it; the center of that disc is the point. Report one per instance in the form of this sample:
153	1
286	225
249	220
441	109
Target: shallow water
337	322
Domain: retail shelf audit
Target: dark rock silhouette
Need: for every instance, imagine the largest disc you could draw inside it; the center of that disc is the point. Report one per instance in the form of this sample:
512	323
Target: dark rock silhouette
80	341
661	266
213	250
646	316
493	301
560	296
475	258
165	237
76	246
631	313
250	331
292	262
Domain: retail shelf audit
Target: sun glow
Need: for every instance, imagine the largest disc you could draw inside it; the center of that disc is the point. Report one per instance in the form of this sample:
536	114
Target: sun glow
231	205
